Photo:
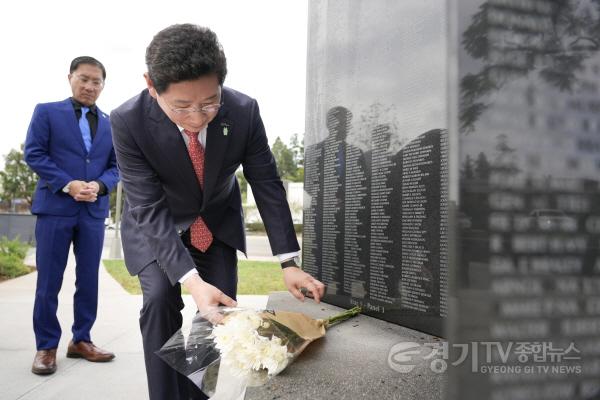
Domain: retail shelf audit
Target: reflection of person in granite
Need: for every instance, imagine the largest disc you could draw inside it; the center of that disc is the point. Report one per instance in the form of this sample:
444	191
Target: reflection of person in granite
357	219
327	203
385	203
333	178
313	212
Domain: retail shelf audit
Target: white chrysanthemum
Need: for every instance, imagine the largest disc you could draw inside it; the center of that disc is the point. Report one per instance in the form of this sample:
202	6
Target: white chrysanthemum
244	351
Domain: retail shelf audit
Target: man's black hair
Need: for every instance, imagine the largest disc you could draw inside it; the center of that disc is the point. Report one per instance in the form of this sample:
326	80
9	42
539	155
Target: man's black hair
184	52
77	61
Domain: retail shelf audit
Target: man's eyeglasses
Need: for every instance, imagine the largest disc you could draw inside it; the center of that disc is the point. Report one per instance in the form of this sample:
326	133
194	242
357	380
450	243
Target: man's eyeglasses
187	111
95	83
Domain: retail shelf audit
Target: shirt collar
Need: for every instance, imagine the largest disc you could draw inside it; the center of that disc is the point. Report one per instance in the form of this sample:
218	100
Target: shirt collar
181	129
77	106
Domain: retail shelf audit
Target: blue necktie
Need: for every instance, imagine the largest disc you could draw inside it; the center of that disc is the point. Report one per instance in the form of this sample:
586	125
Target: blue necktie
84	126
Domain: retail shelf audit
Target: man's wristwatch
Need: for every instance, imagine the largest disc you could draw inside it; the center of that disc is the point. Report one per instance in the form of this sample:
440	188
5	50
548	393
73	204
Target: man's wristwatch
292	262
67	188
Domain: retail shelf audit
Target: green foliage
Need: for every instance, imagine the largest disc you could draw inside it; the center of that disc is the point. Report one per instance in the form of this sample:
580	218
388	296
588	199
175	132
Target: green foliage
243	184
289	159
116	268
12	266
13	247
299	175
255	227
259	277
297	147
254	277
284	157
17	180
112	200
12	253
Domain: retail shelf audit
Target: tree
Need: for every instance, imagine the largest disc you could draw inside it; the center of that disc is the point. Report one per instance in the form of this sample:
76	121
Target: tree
289	159
299	177
554	52
467	171
284	157
243	184
17	180
112	201
505	160
482	167
297	147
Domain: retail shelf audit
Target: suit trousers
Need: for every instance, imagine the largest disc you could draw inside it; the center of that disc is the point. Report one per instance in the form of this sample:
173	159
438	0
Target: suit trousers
54	235
160	316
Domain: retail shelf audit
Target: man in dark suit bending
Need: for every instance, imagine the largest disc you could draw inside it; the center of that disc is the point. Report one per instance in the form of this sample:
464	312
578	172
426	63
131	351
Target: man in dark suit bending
178	145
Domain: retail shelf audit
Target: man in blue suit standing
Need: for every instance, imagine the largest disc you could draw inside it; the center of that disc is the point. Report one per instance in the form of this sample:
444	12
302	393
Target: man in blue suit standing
69	145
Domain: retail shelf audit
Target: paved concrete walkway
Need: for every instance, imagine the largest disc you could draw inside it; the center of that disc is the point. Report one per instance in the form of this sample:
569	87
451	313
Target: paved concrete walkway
116	329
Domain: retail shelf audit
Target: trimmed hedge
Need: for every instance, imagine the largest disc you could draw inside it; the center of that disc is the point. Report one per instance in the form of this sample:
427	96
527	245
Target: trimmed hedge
12	253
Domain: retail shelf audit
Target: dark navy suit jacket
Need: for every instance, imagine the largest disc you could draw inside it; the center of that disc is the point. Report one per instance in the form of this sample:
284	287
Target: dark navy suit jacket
54	149
163	196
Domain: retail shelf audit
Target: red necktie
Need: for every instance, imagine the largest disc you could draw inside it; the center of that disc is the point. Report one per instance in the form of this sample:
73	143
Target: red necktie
201	236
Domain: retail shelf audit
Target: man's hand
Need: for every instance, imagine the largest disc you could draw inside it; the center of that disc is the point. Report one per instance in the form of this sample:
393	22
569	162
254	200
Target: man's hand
207	297
94	186
81	191
295	279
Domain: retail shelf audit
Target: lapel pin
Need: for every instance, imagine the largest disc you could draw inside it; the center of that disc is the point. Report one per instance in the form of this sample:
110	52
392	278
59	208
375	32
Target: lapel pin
225	126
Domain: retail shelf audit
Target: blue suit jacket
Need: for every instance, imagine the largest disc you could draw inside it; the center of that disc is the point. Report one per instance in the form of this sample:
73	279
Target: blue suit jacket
54	149
163	196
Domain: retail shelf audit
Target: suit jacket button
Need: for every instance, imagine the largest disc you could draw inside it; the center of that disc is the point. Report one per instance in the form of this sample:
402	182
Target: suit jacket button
87	160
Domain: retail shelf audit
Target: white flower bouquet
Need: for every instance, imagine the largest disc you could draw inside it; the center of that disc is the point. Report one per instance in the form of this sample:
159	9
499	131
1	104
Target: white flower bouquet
246	348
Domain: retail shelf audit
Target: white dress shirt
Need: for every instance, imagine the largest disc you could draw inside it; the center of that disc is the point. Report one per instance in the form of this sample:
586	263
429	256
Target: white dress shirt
202	139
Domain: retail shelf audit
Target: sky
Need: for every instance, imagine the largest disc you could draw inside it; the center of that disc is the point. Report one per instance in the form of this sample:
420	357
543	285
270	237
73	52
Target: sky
264	41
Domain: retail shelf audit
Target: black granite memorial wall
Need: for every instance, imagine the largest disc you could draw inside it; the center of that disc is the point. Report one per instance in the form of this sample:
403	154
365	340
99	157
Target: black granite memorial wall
452	169
376	170
527	145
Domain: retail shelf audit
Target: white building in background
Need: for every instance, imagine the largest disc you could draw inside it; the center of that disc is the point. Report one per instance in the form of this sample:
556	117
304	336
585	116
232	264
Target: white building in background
295	197
295	193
